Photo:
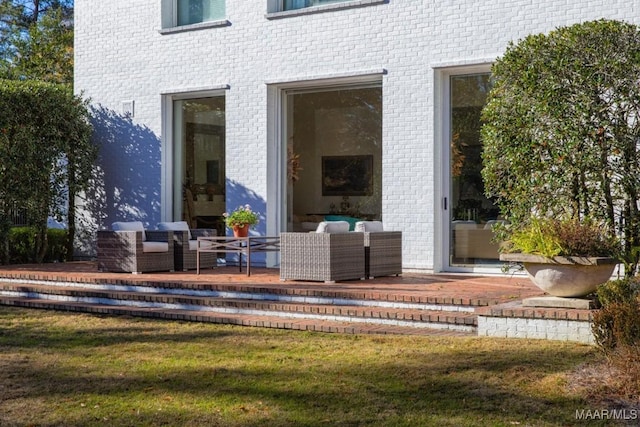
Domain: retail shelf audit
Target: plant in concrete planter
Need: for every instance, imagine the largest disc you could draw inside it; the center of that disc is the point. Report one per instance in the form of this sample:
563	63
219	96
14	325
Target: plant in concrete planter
566	258
560	131
550	237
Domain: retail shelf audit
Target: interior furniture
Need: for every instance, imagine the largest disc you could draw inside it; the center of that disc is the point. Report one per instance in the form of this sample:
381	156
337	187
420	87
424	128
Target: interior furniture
186	245
310	221
382	249
473	240
128	247
330	254
237	245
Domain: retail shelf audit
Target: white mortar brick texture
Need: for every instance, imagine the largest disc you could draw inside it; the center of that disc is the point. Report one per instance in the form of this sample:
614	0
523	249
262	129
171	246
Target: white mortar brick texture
120	55
550	329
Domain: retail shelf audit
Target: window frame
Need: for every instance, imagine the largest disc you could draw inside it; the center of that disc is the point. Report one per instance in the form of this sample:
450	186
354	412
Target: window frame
169	19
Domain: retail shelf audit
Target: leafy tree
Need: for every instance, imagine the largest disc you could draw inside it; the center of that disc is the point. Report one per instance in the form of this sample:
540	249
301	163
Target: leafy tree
36	40
45	153
562	126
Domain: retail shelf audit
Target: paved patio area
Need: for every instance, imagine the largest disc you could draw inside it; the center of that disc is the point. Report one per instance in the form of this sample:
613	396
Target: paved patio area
412	303
463	289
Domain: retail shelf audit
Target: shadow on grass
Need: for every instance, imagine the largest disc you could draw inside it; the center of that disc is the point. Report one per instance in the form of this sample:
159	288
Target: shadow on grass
211	375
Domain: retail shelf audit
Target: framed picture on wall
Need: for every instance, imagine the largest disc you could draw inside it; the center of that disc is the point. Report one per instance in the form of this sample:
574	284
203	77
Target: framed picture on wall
347	175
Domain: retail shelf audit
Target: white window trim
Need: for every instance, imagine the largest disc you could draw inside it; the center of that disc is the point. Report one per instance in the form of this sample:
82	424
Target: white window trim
442	105
275	8
195	27
167	141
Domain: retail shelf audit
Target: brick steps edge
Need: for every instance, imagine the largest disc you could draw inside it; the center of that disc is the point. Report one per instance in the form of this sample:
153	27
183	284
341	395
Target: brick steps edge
213	303
314	325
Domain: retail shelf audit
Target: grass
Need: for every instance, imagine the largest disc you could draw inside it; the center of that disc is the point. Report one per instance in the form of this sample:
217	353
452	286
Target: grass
60	369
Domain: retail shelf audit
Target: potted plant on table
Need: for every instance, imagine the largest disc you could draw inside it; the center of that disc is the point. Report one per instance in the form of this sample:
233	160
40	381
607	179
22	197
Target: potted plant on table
563	257
241	219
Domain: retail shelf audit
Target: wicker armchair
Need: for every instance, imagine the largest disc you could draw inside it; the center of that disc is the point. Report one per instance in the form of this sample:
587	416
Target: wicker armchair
128	247
325	257
383	253
382	249
186	244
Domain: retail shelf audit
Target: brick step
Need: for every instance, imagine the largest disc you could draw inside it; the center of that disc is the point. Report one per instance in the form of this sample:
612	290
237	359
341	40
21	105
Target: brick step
263	321
250	305
308	291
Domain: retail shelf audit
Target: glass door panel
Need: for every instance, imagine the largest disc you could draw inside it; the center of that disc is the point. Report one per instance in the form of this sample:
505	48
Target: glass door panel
199	165
471	213
334	155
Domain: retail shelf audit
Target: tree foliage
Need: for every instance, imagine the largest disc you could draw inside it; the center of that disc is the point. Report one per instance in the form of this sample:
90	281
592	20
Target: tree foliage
562	125
36	40
45	152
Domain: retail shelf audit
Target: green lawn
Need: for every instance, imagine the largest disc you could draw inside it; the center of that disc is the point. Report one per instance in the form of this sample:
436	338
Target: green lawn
80	370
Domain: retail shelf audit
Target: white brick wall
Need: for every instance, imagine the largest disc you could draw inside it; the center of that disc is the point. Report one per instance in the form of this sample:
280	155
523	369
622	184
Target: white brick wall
120	55
549	329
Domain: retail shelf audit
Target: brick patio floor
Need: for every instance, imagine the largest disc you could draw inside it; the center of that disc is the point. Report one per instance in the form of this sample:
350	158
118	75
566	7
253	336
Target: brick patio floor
462	289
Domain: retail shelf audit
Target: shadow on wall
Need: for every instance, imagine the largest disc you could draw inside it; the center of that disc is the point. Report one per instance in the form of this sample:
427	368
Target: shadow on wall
127	180
239	195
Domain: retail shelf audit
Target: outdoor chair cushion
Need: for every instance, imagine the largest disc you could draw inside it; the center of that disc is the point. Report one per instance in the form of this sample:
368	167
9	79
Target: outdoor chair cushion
368	226
175	226
129	226
149	247
333	227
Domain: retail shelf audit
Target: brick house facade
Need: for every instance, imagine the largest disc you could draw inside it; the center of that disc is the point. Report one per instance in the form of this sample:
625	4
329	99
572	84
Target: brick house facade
200	110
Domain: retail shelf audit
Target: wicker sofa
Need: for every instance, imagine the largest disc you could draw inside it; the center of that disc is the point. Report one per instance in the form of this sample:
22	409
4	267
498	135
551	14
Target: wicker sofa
128	247
325	256
186	243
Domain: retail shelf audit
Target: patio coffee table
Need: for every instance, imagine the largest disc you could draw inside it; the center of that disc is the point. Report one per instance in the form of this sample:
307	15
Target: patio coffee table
237	245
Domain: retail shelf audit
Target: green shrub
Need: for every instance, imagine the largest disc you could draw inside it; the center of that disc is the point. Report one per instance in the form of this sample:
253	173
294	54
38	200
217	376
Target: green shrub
22	245
57	249
569	237
560	130
617	323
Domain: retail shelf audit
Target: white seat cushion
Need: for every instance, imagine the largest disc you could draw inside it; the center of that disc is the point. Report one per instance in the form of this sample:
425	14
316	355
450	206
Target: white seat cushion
333	227
193	245
175	226
155	246
129	226
368	226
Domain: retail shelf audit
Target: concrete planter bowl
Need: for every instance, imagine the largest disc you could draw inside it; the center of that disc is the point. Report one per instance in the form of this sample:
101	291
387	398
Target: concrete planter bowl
565	276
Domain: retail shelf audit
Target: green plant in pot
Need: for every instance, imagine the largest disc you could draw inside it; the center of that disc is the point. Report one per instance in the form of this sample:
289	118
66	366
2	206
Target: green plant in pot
241	219
564	257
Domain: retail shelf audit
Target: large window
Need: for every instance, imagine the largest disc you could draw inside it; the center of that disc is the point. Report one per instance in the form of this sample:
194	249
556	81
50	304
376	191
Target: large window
199	161
196	11
334	148
300	4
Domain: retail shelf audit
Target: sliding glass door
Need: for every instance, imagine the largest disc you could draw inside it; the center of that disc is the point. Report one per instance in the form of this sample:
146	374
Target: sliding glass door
470	213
